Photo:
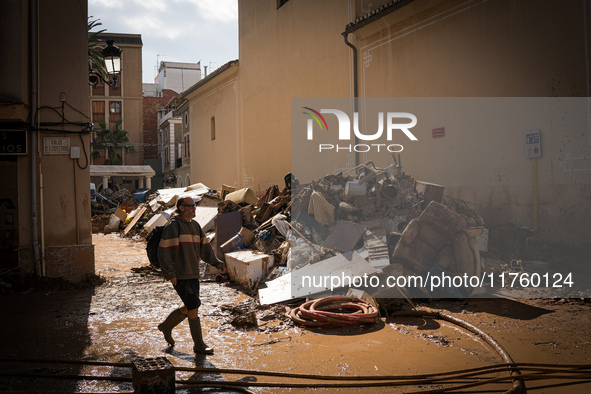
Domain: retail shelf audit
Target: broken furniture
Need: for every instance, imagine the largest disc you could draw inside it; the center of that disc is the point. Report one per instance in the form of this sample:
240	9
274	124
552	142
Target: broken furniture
248	267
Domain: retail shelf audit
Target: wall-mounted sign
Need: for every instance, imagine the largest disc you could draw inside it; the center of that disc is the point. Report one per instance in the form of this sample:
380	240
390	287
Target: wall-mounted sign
56	145
533	144
13	142
438	132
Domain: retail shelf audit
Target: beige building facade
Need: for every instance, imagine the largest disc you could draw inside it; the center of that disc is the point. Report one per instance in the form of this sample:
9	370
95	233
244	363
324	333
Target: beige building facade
217	146
532	56
440	51
124	103
44	122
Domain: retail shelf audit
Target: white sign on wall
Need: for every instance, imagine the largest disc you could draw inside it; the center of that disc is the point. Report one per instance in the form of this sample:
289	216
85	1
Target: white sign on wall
533	144
56	145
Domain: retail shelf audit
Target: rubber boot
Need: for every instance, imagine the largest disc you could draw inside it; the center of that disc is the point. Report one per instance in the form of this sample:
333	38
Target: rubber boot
173	320
200	346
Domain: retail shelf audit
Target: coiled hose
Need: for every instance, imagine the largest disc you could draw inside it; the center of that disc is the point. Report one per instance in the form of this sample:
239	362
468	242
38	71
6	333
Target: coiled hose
334	312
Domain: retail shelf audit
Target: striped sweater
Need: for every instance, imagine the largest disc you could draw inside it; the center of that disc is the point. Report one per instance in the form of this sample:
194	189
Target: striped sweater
182	246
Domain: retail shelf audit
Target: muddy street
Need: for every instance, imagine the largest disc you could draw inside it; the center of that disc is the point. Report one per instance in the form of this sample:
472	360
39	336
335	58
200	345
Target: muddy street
115	322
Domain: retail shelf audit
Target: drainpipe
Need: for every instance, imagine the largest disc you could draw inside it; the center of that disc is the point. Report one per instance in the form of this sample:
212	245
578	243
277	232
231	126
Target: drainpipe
359	23
355	88
34	48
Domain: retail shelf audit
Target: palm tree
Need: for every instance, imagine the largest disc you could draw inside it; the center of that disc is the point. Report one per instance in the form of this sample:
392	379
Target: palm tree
112	141
95	55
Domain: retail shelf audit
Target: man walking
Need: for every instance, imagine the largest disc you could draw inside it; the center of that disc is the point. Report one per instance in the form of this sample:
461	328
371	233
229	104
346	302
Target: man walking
182	246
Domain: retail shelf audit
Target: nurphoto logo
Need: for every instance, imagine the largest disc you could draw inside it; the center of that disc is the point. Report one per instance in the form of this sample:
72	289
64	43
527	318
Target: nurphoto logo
391	123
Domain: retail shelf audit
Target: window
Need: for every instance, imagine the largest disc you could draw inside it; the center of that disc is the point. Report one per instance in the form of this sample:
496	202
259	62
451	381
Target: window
116	90
98	111
114	111
99	89
213	128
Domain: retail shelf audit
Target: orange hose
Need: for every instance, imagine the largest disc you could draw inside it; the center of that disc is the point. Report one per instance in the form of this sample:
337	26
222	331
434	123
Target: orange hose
334	312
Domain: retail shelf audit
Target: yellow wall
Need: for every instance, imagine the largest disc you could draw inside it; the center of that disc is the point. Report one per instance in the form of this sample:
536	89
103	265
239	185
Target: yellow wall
435	48
488	48
294	51
219	161
494	49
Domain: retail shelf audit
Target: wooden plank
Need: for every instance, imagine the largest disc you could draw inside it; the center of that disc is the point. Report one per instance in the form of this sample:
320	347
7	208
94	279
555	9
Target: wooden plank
134	221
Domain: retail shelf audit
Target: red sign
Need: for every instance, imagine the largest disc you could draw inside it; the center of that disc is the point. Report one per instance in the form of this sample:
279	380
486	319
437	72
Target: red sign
439	132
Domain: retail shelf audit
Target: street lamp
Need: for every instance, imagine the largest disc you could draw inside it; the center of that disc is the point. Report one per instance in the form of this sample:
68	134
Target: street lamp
112	56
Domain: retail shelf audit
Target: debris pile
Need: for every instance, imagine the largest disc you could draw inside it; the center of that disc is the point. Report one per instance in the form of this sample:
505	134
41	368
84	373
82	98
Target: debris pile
107	200
382	215
369	222
237	222
375	222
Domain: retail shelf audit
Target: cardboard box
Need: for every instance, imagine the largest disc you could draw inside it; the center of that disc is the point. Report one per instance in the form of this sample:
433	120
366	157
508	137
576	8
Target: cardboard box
247	267
226	189
120	213
243	196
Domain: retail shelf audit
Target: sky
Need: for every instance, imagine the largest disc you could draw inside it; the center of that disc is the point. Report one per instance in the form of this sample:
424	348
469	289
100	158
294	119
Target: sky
174	30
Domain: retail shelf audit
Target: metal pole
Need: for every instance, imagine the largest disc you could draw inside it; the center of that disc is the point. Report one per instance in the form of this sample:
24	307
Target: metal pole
34	49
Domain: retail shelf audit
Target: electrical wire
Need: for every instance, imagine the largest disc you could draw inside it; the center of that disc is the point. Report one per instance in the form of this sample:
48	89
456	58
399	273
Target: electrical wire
85	154
477	381
80	112
539	367
86	127
465	378
518	385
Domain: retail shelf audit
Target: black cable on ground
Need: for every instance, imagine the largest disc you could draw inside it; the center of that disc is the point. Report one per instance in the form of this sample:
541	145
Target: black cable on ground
59	392
539	367
463	379
547	368
414	382
518	384
58	361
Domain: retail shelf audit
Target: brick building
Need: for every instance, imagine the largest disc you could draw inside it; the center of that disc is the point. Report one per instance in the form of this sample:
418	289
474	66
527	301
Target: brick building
151	107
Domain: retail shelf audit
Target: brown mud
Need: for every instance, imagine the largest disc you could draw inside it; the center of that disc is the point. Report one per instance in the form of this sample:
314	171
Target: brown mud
116	321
